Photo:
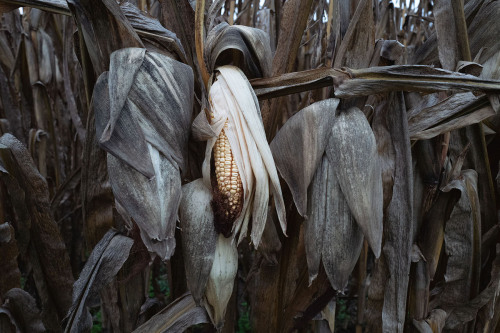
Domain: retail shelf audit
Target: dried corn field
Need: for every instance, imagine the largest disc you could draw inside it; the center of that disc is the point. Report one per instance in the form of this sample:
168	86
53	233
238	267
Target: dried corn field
249	166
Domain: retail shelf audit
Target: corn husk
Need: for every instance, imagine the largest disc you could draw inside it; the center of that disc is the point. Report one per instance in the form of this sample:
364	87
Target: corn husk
143	109
352	150
233	101
221	280
331	234
198	236
299	146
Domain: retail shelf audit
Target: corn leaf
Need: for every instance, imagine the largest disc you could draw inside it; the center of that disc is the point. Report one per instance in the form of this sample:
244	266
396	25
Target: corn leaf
176	317
47	252
198	236
299	146
103	264
225	43
22	312
11	276
462	241
454	112
398	220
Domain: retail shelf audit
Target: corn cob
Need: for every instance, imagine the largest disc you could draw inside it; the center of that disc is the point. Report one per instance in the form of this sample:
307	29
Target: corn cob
228	189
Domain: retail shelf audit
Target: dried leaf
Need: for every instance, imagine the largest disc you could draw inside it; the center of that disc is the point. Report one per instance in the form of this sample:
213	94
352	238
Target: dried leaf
462	240
54	6
21	308
433	324
11	276
176	317
103	18
486	300
51	266
221	280
299	146
454	112
143	111
352	151
398	220
151	29
226	43
103	264
198	236
409	78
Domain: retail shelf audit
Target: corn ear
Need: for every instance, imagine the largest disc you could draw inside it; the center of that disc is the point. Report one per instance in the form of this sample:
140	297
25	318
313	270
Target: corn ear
236	117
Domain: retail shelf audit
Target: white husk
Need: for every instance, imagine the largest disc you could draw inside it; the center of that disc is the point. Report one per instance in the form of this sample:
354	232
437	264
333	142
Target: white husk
232	99
221	279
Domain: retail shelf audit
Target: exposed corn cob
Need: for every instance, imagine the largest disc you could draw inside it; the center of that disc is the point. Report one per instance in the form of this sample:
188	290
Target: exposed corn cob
228	189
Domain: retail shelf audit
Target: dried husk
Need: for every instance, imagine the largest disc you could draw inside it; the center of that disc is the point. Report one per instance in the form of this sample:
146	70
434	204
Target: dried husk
299	146
198	236
233	100
353	152
331	234
221	280
143	111
226	43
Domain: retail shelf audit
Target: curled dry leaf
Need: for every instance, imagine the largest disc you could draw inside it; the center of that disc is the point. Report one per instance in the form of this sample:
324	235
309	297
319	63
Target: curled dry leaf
143	111
176	317
104	262
198	236
235	118
353	152
457	111
221	280
226	43
331	234
462	238
20	307
299	146
11	276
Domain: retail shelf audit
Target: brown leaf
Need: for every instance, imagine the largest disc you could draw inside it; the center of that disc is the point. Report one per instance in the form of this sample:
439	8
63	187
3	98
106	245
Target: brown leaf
48	254
226	44
398	220
150	29
359	40
103	264
462	240
299	146
21	308
103	18
176	317
11	276
454	112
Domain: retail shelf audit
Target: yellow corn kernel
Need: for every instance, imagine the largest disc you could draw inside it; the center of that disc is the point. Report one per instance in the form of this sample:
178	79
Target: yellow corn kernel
227	176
